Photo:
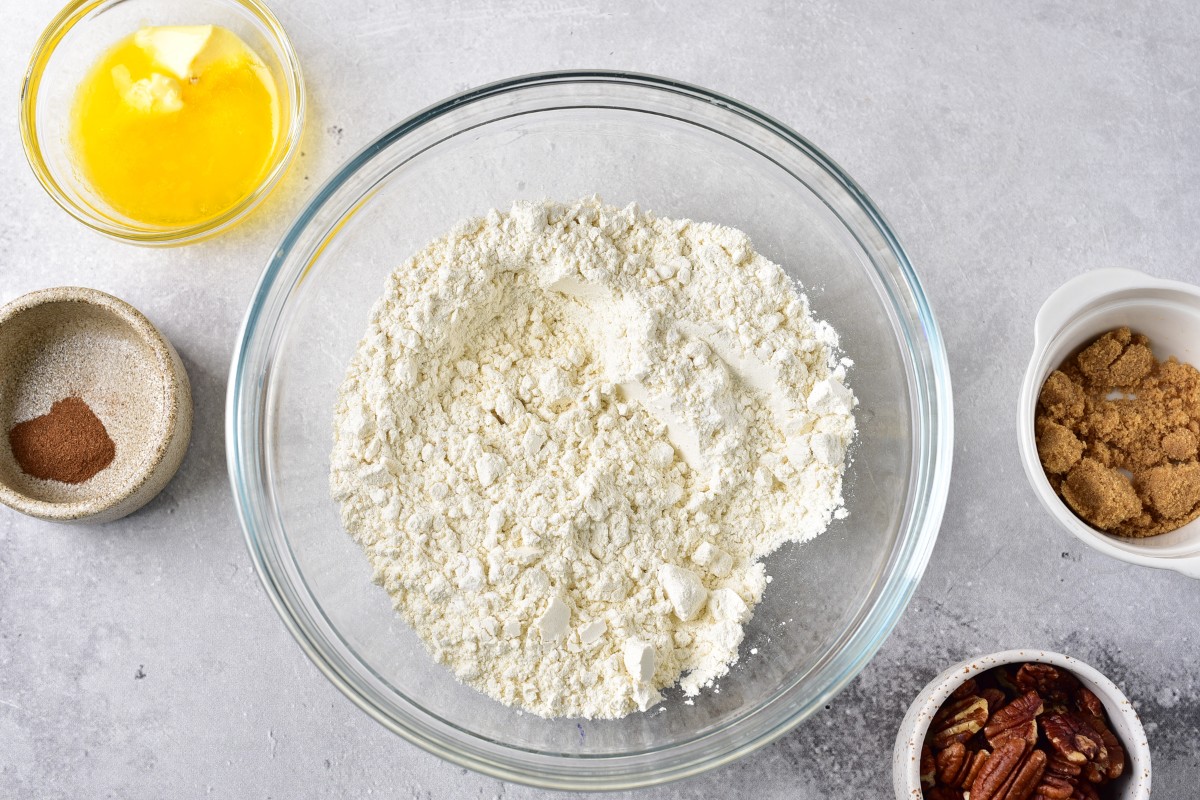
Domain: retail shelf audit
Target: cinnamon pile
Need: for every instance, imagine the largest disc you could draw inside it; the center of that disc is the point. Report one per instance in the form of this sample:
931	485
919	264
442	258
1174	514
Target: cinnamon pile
1117	433
70	444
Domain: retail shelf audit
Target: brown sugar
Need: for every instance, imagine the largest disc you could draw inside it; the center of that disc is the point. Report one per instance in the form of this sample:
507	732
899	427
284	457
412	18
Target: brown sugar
1100	494
1117	434
70	444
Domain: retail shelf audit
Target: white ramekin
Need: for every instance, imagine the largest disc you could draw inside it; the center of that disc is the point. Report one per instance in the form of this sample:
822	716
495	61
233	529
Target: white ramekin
1134	784
1078	312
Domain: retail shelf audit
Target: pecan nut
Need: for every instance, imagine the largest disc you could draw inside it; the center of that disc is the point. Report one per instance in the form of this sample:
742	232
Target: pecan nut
958	721
1017	719
952	764
1011	773
977	761
1053	787
994	697
1112	765
1085	791
1087	703
957	766
966	689
1027	778
1050	682
928	768
1116	753
1058	765
1072	737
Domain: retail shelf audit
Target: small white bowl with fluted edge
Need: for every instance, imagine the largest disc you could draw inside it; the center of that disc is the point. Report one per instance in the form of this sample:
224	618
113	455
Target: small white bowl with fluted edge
1134	783
1079	311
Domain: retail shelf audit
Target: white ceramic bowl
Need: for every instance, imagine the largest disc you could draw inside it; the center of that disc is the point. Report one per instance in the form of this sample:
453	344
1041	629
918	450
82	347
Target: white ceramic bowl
906	757
1078	312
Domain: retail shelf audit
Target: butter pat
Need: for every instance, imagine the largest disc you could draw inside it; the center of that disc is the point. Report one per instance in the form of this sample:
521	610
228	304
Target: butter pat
185	50
158	94
178	53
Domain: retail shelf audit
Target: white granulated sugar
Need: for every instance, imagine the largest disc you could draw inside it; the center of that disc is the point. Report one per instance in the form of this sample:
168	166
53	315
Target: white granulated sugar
569	438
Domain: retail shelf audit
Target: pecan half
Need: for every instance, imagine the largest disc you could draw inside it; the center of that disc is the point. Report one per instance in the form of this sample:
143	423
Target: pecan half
1116	753
1053	787
928	767
1048	681
1085	791
1086	702
957	766
1073	738
977	761
1017	719
994	697
966	689
958	721
1060	766
1027	778
1010	773
952	764
1111	763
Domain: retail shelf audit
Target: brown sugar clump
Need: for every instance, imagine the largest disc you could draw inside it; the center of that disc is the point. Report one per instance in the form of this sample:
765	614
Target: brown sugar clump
1100	494
1179	445
1118	433
1171	491
1062	398
1058	448
1118	359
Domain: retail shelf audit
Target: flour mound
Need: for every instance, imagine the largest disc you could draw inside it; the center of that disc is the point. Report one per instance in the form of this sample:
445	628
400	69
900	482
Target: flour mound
570	436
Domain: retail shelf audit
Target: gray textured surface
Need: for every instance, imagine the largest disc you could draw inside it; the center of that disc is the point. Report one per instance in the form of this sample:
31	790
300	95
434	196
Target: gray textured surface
1010	149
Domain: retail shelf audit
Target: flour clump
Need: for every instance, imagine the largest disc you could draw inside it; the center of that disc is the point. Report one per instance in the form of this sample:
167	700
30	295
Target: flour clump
570	436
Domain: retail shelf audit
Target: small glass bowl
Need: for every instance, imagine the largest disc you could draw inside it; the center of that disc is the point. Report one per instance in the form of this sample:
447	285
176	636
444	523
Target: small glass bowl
72	44
680	151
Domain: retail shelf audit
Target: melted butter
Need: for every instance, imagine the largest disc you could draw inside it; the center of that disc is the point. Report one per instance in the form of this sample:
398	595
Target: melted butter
175	125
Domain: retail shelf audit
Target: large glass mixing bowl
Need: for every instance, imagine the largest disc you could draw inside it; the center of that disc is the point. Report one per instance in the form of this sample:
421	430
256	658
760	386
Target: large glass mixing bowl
679	151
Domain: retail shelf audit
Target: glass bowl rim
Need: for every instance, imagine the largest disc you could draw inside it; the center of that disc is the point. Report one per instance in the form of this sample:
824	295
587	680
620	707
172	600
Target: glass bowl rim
74	13
929	486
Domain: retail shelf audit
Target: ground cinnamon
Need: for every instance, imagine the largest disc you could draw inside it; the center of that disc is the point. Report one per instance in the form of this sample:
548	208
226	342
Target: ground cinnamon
1117	433
70	444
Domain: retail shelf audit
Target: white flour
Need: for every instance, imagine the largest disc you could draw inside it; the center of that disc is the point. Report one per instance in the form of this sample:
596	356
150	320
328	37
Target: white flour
570	436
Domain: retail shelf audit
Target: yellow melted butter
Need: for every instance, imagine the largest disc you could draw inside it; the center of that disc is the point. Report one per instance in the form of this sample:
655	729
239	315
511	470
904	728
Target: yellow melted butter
175	125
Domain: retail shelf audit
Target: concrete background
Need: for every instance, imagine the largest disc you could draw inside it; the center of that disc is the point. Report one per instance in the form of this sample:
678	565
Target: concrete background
1012	145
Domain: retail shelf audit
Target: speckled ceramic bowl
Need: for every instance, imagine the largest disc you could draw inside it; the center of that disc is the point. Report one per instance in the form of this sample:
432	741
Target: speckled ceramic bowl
74	342
906	757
